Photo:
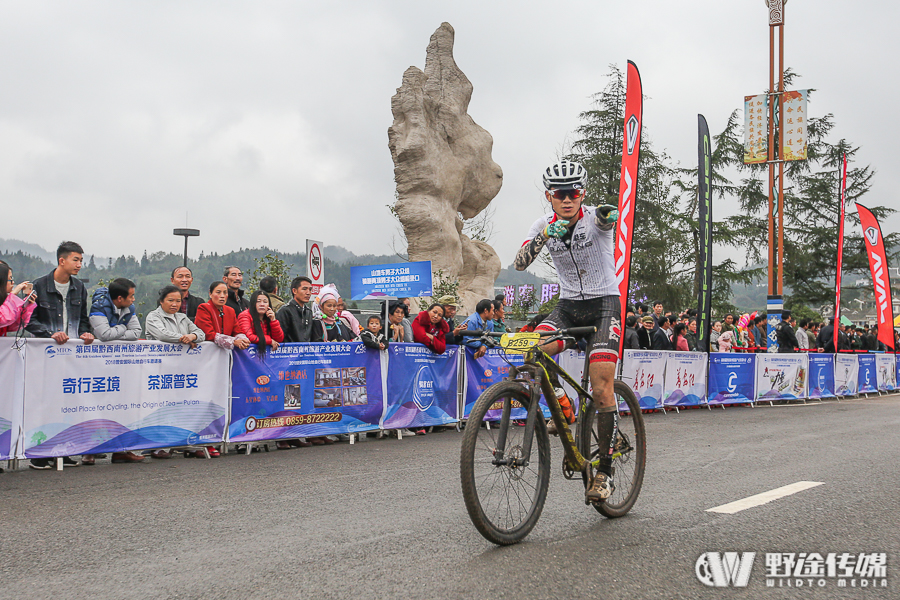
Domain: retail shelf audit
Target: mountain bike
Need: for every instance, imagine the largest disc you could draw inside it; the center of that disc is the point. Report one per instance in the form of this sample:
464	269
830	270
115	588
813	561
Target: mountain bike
505	467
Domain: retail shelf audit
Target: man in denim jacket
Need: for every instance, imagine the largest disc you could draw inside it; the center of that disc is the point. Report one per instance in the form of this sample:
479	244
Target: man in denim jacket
61	313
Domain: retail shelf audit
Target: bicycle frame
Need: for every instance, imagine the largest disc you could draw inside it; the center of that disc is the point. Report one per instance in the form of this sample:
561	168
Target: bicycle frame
538	366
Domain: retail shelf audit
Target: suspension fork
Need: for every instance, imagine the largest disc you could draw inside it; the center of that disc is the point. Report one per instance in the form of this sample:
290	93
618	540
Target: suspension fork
534	389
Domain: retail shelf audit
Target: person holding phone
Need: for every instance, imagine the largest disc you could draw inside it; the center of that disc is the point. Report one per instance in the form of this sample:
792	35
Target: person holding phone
259	324
14	311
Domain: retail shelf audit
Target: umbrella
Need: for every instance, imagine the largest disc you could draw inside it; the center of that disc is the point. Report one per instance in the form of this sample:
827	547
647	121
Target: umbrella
845	321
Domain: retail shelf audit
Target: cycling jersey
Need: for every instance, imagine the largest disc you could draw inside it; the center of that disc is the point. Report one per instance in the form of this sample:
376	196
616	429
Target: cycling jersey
583	257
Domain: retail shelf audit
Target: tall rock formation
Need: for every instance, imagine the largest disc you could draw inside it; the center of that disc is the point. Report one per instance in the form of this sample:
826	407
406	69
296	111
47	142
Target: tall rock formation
443	166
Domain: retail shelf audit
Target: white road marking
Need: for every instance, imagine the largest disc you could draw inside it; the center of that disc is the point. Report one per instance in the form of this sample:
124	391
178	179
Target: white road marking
764	498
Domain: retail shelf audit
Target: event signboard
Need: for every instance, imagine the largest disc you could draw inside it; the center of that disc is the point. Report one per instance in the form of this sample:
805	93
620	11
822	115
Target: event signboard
887	372
868	378
400	280
731	378
846	374
821	375
421	387
781	376
12	397
305	390
111	397
644	372
685	380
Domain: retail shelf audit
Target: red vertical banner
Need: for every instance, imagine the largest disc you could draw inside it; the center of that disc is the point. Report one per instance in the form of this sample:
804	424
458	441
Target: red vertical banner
631	150
878	263
840	256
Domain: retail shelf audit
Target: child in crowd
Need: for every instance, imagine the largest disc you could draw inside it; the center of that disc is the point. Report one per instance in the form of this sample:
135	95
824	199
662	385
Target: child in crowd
372	336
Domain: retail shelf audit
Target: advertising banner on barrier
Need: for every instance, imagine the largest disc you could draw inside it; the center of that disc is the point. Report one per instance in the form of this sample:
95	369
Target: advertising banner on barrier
644	371
12	394
731	378
887	372
685	381
781	376
821	375
485	372
868	378
421	387
110	397
846	374
305	390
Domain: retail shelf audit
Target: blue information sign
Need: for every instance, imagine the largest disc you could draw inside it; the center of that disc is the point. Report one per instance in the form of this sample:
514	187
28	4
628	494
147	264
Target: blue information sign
399	280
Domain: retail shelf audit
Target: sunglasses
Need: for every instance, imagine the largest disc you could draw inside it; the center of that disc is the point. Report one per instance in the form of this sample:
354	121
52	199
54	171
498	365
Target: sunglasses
562	194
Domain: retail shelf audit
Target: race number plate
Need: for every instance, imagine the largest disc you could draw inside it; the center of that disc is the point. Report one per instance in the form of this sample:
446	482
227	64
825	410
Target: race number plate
519	343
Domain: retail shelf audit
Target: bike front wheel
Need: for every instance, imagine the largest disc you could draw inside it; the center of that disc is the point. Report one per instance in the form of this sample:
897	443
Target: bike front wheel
503	501
629	453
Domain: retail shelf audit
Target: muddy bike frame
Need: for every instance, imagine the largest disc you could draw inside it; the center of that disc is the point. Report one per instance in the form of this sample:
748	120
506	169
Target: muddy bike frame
535	375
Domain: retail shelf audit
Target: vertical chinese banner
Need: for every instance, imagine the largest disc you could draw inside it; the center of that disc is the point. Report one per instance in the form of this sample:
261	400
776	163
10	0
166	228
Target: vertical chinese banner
793	131
756	133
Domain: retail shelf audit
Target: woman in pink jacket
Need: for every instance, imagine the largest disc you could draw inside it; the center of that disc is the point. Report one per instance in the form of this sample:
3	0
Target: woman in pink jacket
14	312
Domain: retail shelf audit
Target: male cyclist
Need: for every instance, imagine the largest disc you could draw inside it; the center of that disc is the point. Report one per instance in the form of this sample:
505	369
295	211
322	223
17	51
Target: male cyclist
580	241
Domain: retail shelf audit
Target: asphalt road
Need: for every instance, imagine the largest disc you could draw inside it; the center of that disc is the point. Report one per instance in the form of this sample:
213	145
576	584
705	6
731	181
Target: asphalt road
385	519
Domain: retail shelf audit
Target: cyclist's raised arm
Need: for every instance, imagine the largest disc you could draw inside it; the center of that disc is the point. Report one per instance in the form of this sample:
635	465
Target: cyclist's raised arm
532	246
605	217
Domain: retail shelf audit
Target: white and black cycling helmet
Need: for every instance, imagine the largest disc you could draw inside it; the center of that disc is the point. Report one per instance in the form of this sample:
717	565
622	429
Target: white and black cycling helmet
565	175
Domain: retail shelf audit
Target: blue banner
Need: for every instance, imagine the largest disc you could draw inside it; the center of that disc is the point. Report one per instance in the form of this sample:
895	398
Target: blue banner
305	390
731	378
399	280
421	387
821	375
488	370
868	382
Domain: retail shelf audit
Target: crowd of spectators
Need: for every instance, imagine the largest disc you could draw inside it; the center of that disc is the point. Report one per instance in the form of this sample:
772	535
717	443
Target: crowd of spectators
56	306
653	328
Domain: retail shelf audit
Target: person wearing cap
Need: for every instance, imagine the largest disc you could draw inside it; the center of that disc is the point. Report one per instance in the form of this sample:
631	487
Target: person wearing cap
451	305
645	332
787	339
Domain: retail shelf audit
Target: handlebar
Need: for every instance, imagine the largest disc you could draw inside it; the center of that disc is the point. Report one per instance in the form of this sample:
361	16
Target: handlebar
572	331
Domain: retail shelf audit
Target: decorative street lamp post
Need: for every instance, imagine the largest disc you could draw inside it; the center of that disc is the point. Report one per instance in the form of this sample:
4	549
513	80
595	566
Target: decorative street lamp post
775	302
186	233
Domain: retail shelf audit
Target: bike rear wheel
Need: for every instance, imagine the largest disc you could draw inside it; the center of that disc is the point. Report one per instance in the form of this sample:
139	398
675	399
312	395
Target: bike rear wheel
504	502
630	454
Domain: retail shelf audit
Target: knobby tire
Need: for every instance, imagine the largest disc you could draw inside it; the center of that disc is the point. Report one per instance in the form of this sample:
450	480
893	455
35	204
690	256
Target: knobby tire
504	503
630	463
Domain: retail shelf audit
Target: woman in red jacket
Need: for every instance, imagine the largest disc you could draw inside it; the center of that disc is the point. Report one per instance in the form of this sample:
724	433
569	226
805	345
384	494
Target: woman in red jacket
259	324
429	328
218	321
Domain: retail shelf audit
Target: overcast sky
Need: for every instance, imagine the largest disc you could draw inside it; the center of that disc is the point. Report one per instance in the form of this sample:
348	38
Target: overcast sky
267	121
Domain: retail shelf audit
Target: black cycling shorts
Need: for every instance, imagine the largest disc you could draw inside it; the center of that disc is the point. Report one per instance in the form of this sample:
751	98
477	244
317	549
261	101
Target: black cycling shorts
603	313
